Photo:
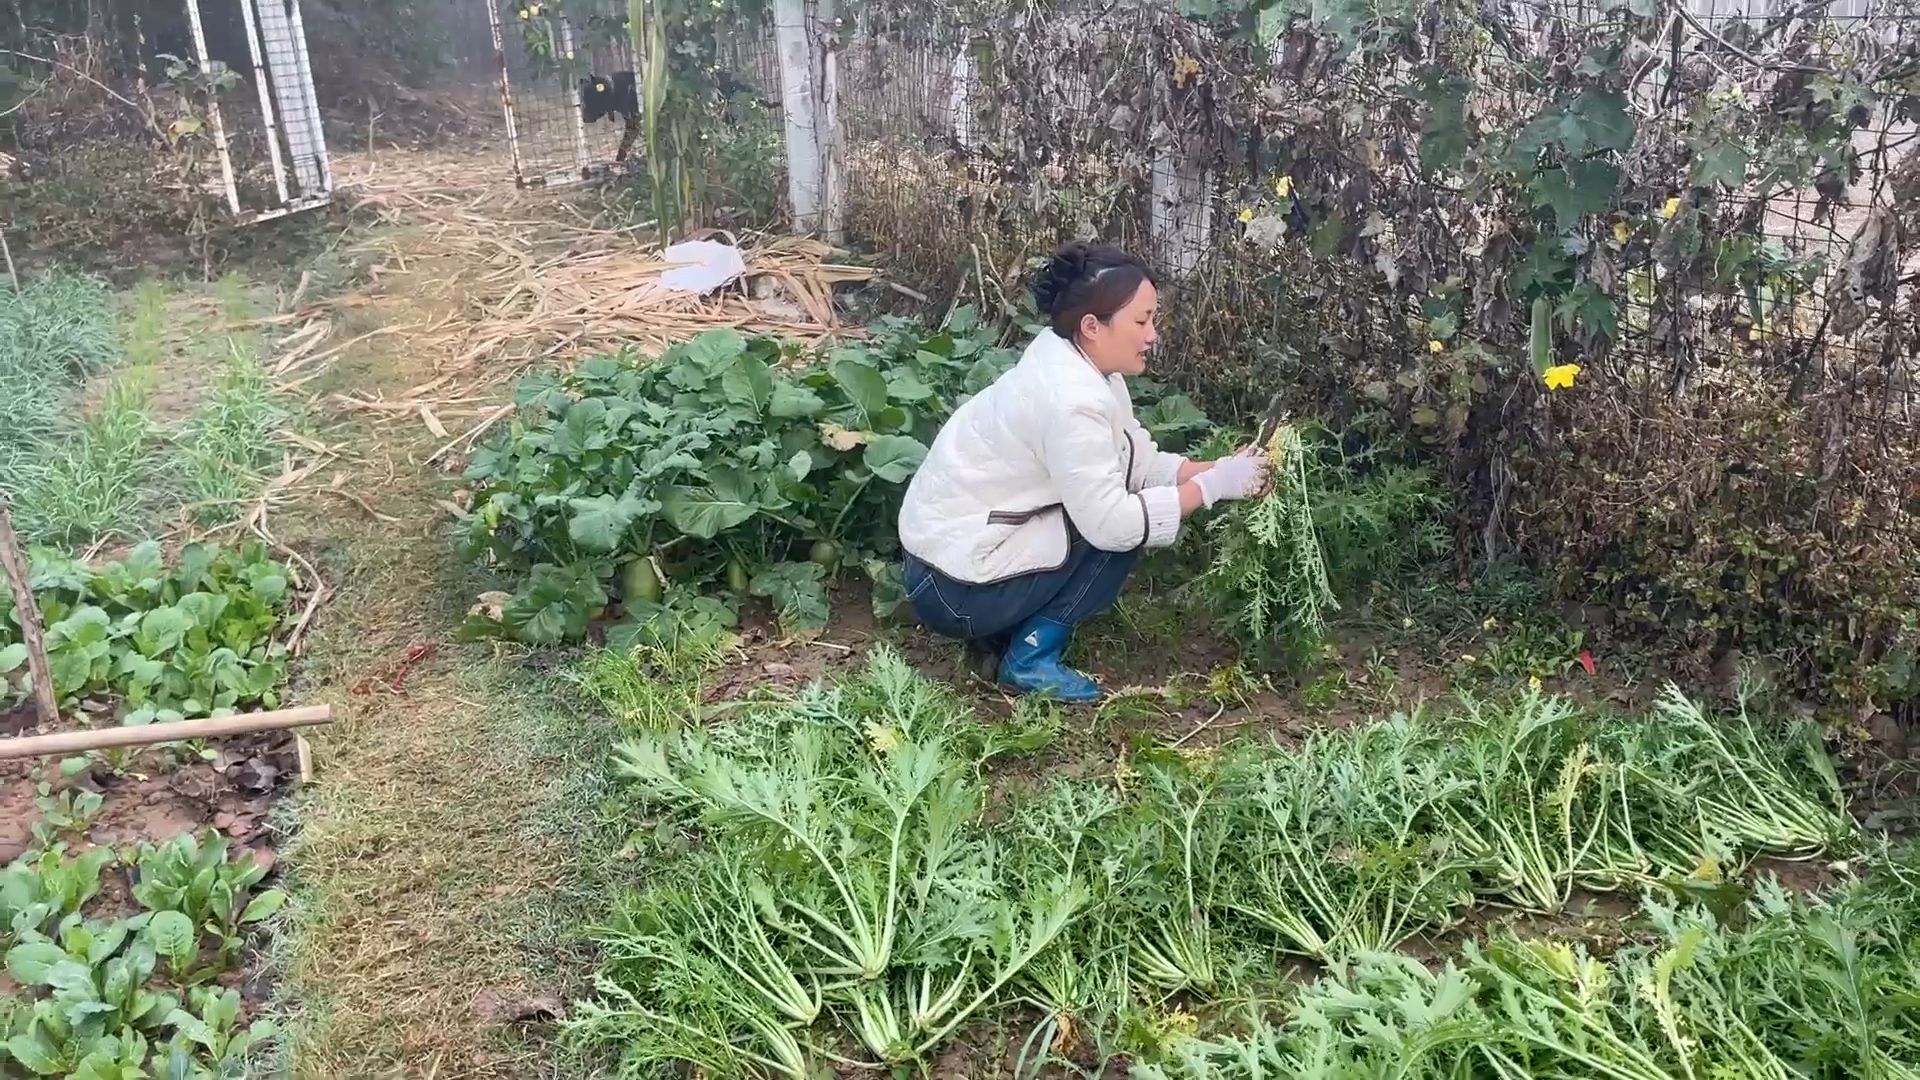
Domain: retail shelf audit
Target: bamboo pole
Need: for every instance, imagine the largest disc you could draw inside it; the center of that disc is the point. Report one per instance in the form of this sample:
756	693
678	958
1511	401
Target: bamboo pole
27	614
72	742
13	274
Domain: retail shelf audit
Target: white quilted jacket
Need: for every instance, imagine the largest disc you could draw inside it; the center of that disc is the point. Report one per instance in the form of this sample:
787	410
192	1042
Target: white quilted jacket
1051	439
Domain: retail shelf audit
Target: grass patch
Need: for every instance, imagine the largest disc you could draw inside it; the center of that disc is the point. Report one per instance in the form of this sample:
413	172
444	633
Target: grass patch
97	482
436	866
54	332
163	435
228	442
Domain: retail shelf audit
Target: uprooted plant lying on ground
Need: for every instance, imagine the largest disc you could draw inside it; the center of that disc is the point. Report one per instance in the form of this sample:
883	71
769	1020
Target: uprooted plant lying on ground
831	890
136	995
728	467
1780	986
162	642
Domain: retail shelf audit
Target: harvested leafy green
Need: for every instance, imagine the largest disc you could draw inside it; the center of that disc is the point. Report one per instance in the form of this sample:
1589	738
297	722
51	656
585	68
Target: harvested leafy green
831	887
1788	987
843	871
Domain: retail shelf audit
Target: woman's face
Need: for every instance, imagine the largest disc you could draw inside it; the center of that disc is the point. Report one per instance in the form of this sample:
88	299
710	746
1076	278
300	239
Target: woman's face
1118	345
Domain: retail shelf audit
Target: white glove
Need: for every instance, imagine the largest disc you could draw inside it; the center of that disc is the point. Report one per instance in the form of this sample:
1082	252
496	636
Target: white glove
1238	477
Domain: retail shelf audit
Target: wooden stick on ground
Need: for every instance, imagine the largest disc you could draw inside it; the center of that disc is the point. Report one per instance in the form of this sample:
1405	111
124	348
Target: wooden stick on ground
12	273
72	742
27	614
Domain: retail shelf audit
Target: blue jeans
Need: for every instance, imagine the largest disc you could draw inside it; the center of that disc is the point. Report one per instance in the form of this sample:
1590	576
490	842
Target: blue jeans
1084	586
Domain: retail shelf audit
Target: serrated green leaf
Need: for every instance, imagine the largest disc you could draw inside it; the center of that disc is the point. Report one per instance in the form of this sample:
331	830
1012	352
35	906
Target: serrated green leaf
708	511
600	522
583	429
554	605
1597	120
1579	189
1722	163
1443	134
904	385
798	592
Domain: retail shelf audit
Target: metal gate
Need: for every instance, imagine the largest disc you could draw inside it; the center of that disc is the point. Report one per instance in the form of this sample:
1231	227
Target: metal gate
568	88
272	152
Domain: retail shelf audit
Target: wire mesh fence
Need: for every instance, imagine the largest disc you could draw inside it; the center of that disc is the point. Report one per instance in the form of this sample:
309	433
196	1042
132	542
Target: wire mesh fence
936	183
1715	224
569	87
163	109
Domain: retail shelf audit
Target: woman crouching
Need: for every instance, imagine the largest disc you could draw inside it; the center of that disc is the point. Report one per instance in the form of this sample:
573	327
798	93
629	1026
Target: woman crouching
1040	493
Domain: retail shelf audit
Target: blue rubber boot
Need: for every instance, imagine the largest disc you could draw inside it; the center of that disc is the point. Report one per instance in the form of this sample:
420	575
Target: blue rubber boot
1032	664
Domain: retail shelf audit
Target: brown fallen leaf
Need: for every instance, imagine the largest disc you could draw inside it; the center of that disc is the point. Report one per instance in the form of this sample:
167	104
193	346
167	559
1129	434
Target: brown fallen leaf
492	604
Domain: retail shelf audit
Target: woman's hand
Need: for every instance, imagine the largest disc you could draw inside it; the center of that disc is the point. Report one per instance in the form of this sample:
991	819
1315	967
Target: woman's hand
1242	476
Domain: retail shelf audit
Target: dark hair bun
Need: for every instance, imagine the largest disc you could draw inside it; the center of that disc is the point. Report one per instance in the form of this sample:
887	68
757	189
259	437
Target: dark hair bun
1068	265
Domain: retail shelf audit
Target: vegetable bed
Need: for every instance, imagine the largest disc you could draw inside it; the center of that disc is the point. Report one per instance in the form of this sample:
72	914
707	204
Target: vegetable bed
835	881
132	876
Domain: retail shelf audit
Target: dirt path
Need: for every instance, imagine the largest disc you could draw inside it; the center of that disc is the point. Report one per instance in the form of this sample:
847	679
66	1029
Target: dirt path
418	846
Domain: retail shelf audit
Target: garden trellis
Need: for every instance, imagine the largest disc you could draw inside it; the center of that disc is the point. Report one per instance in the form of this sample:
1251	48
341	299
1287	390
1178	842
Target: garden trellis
281	116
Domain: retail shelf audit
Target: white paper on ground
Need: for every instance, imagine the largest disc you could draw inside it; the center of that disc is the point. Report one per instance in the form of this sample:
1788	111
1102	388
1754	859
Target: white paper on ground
701	266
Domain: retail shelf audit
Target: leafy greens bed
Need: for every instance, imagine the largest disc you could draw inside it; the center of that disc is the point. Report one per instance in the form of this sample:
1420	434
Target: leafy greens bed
729	467
100	998
165	641
847	898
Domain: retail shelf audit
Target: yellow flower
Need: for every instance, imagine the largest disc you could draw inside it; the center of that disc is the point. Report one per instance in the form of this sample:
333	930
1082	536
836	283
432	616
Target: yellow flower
1283	186
1672	208
1533	682
525	14
1469	658
1434	346
1560	376
1621	233
1246	214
